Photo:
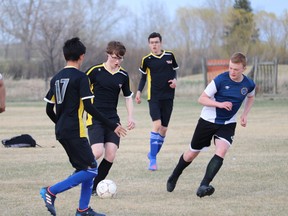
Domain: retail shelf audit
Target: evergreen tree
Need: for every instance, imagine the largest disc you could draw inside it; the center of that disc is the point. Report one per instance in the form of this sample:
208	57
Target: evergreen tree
241	33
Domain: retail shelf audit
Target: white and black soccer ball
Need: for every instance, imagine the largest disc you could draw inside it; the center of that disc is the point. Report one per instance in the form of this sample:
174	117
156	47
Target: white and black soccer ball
106	189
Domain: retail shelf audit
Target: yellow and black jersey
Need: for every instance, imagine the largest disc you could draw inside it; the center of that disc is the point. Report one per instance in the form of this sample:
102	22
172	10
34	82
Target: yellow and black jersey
68	89
157	71
106	87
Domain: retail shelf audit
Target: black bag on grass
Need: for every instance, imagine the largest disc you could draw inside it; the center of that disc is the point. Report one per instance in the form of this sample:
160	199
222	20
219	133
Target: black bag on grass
21	141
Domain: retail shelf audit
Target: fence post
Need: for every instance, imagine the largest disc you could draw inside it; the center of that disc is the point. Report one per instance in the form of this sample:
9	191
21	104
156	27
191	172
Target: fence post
204	71
275	76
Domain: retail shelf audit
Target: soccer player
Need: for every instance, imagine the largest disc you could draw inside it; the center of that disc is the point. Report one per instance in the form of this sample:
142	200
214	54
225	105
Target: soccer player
107	80
2	95
221	99
158	68
70	95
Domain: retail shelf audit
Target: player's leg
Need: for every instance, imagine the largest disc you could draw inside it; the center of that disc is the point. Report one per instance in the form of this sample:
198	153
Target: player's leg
154	109
83	160
166	108
185	160
96	139
112	142
201	139
106	164
222	140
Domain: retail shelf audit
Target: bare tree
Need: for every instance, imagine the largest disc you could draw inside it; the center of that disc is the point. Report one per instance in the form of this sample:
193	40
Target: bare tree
50	29
19	19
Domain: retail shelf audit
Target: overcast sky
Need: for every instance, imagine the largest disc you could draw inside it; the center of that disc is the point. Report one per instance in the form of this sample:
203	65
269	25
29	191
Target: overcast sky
275	6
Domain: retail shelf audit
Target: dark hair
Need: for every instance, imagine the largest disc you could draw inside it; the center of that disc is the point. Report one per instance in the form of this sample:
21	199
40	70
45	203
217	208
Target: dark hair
154	35
239	57
73	49
116	47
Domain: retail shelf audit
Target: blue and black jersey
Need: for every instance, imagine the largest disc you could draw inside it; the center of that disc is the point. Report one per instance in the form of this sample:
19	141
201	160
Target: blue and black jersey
222	89
157	71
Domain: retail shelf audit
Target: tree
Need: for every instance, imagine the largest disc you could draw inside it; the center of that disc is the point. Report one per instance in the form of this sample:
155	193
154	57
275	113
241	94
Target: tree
240	32
199	34
19	19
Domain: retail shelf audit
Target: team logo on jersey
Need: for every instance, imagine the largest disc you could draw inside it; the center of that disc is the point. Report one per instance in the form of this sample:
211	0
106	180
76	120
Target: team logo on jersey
227	87
244	91
169	61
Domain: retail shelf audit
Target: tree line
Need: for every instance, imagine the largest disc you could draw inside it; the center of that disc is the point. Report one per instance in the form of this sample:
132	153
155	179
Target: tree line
32	33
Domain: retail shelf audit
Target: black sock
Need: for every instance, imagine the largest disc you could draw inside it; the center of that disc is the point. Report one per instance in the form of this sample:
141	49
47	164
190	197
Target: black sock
212	168
103	171
182	164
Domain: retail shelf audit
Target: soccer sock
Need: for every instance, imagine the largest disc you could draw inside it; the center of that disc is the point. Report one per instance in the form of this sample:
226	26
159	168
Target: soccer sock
182	164
85	195
212	168
73	180
103	171
160	142
153	145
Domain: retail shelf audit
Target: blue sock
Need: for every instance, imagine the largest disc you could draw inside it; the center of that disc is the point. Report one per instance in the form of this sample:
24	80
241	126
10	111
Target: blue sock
160	142
86	191
74	180
153	145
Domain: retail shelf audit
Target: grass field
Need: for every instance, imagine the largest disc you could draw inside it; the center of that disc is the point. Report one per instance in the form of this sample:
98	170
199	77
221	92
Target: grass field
252	181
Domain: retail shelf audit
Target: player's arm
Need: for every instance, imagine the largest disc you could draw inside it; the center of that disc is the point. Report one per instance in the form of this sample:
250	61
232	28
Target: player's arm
140	88
116	127
205	98
50	112
130	108
247	107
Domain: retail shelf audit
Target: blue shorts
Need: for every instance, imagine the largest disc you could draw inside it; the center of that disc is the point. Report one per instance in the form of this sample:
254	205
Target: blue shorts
161	110
205	131
99	133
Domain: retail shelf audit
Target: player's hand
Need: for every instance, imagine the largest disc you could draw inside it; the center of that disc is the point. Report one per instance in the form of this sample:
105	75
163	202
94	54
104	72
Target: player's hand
131	124
120	131
243	120
172	83
138	97
226	105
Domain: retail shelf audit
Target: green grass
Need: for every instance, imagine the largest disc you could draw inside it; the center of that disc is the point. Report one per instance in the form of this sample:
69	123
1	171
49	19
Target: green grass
251	182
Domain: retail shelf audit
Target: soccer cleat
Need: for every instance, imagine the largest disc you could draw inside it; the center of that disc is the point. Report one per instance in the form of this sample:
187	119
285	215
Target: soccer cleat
153	165
171	183
204	190
49	200
88	212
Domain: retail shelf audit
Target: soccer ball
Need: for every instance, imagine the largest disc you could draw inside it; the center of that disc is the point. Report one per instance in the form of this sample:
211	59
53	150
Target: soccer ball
106	189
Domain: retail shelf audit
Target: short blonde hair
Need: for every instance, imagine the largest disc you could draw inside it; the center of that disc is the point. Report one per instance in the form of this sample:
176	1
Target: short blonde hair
239	57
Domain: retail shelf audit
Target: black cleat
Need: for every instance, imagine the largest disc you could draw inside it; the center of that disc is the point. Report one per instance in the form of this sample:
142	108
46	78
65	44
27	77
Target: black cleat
171	183
204	190
88	212
94	193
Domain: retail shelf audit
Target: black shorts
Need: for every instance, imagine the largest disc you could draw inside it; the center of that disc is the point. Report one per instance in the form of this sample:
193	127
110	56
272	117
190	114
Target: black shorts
80	153
161	110
99	133
205	131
